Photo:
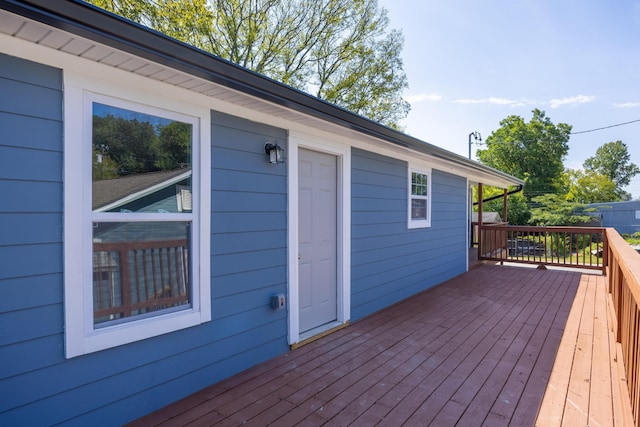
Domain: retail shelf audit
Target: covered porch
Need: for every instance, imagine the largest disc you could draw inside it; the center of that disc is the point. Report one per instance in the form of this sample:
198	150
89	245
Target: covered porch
498	345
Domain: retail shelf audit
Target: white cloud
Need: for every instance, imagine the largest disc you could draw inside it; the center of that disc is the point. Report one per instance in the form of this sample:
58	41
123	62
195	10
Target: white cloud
413	99
524	102
627	104
573	100
497	101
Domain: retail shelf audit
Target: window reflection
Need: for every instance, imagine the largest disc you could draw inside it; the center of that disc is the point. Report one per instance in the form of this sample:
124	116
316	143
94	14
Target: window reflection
419	194
141	162
418	209
139	268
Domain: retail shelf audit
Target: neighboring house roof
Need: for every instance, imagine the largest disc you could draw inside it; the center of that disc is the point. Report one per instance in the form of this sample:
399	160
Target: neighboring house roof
91	33
112	193
487	217
630	204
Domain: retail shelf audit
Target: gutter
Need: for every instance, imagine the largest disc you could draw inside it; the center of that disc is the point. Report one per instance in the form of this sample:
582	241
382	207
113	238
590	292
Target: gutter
518	189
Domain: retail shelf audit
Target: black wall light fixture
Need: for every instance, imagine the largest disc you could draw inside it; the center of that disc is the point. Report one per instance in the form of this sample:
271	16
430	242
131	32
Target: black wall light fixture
275	152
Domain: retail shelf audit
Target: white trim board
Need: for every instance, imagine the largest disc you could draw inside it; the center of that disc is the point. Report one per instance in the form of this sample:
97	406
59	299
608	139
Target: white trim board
343	154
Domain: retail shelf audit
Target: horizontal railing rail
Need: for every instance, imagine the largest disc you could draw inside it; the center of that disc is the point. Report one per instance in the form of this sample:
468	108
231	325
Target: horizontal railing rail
623	277
581	247
132	278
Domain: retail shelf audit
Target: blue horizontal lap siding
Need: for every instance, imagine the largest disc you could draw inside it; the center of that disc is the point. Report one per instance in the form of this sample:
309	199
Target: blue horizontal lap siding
37	384
620	215
390	262
248	243
31	310
249	212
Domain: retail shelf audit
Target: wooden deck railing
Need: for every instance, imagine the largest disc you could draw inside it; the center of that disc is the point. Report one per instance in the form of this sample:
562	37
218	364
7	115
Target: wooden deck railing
583	247
131	278
623	277
474	230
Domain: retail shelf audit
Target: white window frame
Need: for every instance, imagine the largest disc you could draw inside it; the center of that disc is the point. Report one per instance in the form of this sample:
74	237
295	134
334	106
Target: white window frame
418	223
81	335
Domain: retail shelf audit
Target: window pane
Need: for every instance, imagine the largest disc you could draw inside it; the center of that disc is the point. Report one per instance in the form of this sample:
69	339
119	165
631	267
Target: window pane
418	209
141	162
139	268
418	184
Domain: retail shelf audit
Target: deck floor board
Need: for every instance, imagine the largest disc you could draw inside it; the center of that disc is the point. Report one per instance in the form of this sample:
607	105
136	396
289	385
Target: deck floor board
496	346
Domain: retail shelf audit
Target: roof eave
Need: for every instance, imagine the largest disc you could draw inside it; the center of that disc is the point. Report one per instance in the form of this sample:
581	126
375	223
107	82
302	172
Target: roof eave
88	21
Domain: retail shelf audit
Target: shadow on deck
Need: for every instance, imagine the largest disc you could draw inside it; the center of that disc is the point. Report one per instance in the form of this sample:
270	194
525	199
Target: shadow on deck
479	349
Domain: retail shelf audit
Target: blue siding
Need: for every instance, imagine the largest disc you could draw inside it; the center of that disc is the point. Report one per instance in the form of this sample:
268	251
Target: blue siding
31	308
390	262
619	215
248	258
249	238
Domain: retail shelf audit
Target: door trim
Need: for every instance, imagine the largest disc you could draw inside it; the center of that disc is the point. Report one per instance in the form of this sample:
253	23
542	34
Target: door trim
343	195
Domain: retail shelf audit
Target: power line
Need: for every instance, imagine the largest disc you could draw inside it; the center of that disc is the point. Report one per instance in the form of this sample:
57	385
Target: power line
605	127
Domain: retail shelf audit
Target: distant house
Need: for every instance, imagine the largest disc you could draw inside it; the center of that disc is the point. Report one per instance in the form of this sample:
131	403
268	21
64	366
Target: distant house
487	217
623	216
147	225
164	191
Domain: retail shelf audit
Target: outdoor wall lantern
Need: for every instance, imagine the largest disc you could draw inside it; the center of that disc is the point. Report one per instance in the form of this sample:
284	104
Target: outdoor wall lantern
275	152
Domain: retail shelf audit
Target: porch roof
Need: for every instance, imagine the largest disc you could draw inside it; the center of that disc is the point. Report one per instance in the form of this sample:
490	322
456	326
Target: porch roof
495	346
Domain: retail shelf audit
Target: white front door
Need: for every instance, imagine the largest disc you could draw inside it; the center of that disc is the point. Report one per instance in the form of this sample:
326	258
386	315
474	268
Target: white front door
317	249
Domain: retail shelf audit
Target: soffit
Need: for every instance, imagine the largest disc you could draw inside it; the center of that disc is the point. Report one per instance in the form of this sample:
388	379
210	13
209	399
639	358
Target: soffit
41	34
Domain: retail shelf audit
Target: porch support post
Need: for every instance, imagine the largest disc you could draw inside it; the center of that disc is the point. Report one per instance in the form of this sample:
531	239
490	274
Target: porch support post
504	206
479	220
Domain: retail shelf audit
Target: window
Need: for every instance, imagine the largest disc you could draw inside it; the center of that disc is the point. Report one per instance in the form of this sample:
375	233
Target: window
419	198
140	229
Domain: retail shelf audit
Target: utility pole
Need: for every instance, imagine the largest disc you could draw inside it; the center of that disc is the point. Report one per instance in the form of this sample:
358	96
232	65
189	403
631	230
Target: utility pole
477	138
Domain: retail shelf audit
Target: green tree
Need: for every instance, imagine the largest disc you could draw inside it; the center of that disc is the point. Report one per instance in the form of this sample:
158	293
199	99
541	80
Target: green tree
556	210
589	187
174	146
337	50
130	143
613	161
533	151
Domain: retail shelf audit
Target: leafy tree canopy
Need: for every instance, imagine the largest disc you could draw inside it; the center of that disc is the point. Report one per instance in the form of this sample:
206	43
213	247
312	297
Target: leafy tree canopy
556	210
613	161
123	146
338	50
589	187
533	151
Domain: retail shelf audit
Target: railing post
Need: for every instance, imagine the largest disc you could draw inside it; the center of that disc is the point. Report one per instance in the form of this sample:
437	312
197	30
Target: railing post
125	280
480	220
504	206
605	251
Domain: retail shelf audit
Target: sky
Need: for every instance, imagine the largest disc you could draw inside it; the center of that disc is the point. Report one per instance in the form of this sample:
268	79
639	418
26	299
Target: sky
471	64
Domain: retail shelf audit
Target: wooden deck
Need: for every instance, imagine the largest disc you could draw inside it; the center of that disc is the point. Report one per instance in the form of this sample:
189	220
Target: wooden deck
481	349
